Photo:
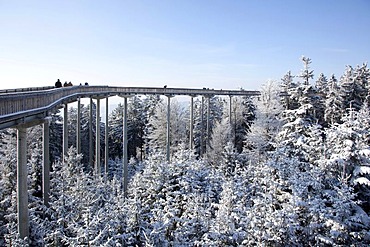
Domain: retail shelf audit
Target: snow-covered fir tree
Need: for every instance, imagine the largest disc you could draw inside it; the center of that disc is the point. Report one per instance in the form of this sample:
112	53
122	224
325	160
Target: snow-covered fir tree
158	127
267	123
333	103
306	73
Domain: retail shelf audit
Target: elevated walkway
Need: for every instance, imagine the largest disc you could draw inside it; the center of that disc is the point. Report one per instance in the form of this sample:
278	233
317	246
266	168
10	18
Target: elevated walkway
19	106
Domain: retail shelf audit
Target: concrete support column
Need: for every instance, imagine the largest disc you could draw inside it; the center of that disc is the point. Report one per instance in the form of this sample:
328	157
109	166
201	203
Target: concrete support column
46	164
168	127
201	150
191	128
125	143
230	101
78	126
97	140
106	158
22	194
91	147
65	131
208	126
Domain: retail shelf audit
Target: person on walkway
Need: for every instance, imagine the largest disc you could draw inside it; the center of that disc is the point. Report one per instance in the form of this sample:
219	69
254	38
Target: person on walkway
65	84
58	84
69	84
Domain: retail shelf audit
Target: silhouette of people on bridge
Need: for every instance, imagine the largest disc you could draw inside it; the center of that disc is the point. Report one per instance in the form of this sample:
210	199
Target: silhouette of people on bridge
58	83
68	84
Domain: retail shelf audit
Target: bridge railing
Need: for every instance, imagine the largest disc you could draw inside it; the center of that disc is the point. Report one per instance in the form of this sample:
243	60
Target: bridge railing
28	89
12	101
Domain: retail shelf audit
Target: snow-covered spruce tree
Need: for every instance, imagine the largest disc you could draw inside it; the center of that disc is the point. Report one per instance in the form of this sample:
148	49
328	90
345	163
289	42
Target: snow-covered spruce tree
306	73
145	196
319	100
301	182
225	230
243	123
72	124
324	211
250	213
220	137
136	126
115	122
200	126
85	125
230	160
287	85
217	105
85	210
150	103
266	203
250	209
55	137
296	90
65	207
334	103
349	153
287	82
135	129
201	185
102	214
315	101
363	75
158	198
297	162
322	84
200	121
242	116
267	123
353	89
300	135
306	94
158	132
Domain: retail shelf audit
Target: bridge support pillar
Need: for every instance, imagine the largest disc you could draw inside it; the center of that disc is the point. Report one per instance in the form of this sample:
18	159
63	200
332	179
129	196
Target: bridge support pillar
22	194
106	156
97	140
208	126
46	163
78	127
65	132
168	135
201	148
91	147
230	107
125	151
191	128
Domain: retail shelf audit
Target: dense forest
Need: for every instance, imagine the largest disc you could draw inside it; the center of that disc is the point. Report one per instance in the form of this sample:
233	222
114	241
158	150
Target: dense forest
288	168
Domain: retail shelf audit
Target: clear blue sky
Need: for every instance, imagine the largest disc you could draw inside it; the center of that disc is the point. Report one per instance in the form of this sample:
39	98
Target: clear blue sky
190	43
